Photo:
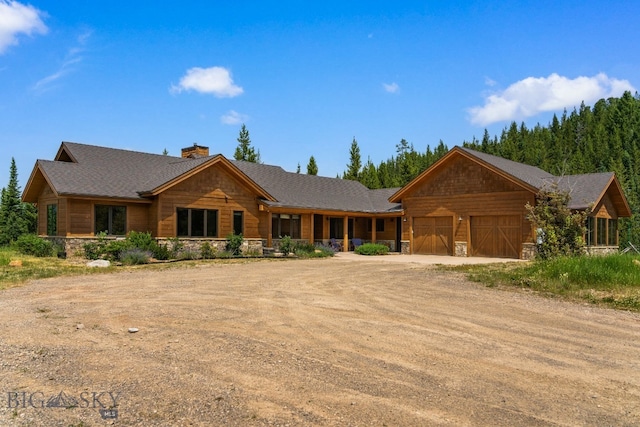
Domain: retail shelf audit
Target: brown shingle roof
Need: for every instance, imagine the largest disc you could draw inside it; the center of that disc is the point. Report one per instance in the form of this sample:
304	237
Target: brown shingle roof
531	175
125	174
315	192
110	172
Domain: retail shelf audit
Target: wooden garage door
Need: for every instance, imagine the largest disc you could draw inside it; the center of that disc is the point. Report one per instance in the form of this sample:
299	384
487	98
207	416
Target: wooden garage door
496	236
433	235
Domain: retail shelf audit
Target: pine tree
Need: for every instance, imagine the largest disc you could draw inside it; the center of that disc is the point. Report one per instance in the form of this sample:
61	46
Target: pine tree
369	176
312	167
354	166
13	213
244	150
298	168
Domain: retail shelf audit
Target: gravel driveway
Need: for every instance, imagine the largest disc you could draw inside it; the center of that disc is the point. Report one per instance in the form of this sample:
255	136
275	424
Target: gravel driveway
334	342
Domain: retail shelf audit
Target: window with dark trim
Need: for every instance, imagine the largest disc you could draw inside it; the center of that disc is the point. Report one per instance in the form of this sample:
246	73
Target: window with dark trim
238	222
52	220
285	225
612	232
601	231
591	230
197	222
110	219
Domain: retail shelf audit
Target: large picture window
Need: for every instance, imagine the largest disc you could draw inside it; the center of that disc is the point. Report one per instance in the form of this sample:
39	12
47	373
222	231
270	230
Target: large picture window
110	219
197	222
52	220
602	232
285	225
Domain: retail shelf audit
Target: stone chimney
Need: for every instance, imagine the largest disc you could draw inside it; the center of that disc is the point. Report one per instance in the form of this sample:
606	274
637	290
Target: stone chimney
195	151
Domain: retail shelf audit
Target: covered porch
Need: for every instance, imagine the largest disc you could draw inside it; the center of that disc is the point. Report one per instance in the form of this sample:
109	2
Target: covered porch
341	230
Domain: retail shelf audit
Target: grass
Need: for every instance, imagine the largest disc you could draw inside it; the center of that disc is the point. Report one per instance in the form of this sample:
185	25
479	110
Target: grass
612	280
33	268
36	268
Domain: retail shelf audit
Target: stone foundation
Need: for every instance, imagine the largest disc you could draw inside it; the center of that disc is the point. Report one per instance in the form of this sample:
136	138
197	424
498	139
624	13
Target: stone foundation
73	247
405	247
460	249
528	251
602	250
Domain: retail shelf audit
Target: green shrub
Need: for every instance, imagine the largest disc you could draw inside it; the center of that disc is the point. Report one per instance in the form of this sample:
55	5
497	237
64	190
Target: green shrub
135	256
142	241
161	252
176	246
301	248
372	249
30	244
113	249
206	251
286	245
234	243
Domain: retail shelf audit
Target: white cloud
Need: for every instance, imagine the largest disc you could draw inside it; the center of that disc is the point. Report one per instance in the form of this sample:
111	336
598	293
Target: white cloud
214	80
72	58
534	95
17	18
233	118
391	88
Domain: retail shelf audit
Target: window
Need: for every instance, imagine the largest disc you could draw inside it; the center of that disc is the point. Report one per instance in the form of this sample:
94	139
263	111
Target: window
197	222
613	232
591	237
111	219
238	222
601	231
379	224
285	225
52	220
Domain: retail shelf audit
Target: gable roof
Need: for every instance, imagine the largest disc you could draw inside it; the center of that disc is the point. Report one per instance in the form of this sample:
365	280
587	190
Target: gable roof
83	170
584	190
316	192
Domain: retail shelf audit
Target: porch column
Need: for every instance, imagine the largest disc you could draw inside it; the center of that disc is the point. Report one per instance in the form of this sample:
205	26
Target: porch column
373	229
345	227
269	229
311	230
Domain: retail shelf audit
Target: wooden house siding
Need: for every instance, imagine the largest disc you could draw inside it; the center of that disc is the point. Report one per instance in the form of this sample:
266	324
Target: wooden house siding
464	201
47	197
605	209
81	217
213	188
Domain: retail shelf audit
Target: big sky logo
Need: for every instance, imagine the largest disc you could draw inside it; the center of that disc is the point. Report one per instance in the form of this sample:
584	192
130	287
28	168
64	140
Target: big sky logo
105	401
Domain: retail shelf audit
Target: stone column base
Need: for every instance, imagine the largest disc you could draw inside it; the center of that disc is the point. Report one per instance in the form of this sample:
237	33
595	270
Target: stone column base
460	249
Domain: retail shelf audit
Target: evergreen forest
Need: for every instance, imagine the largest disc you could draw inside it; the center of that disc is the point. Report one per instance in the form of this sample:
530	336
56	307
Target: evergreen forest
602	138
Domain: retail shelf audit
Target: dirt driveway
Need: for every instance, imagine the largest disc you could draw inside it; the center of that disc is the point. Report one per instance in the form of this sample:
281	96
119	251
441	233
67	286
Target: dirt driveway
314	342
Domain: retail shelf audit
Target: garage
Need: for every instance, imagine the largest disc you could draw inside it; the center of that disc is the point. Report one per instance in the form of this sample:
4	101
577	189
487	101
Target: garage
497	236
433	235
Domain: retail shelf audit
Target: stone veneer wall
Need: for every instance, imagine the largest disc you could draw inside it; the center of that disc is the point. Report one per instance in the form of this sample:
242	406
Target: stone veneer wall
405	247
74	246
460	249
528	251
602	250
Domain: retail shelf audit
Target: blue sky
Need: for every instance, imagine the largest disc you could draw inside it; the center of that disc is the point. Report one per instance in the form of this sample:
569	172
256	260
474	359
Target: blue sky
305	77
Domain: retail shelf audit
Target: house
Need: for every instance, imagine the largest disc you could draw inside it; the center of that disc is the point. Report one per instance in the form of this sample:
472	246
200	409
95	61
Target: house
466	204
473	204
88	189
